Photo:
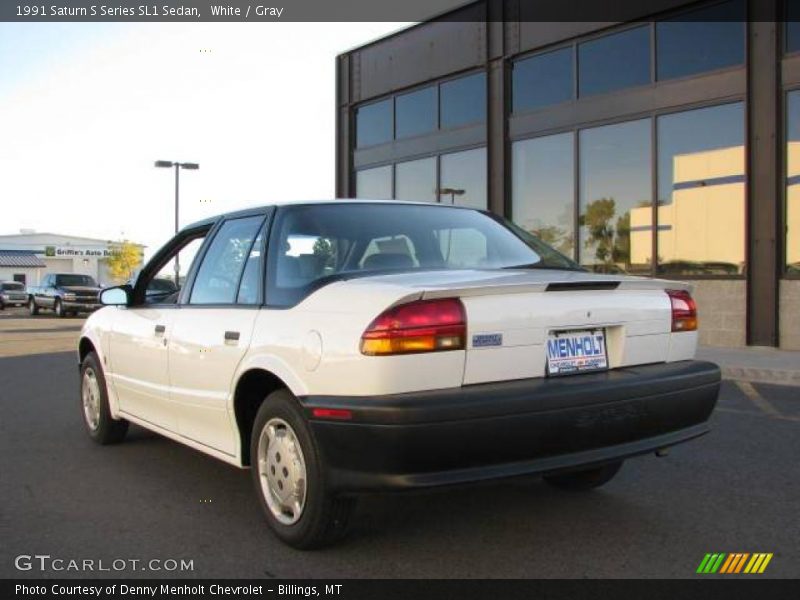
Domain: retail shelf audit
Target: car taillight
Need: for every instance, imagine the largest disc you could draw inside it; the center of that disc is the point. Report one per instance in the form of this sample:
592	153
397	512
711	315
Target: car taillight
684	310
421	326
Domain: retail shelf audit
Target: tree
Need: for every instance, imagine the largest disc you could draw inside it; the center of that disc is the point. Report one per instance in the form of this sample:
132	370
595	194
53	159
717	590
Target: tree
123	261
597	220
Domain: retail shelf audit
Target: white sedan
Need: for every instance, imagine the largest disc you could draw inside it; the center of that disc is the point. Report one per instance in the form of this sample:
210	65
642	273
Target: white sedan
342	347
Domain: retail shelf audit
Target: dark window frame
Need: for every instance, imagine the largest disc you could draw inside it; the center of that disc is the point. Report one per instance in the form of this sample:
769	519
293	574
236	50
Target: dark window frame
392	97
654	81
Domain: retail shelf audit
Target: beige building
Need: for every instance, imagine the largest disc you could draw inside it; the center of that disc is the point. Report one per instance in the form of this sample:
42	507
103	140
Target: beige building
707	203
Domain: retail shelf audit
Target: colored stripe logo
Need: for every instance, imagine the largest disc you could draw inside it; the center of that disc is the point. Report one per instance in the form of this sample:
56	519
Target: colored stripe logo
734	563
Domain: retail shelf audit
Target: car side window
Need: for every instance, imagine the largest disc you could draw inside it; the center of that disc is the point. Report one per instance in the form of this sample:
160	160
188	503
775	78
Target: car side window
251	276
217	278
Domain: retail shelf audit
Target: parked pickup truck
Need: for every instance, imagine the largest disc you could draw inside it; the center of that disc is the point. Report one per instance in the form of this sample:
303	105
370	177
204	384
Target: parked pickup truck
65	294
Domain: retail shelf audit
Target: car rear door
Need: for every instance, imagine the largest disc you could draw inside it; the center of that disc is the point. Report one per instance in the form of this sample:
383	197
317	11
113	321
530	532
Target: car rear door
212	330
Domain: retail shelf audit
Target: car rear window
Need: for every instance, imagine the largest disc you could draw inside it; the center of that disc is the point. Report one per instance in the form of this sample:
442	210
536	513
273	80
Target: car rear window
318	243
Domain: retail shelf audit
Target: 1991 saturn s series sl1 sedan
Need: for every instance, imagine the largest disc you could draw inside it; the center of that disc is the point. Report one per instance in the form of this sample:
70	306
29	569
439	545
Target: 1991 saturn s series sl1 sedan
342	347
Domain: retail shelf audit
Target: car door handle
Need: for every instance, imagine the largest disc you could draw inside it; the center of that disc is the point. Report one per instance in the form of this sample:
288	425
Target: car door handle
231	336
160	329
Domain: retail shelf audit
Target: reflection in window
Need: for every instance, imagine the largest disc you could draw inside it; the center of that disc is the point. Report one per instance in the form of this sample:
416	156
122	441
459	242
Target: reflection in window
217	279
374	123
463	101
701	191
542	80
415	113
543	189
375	184
614	62
251	276
615	190
793	183
416	180
463	178
703	40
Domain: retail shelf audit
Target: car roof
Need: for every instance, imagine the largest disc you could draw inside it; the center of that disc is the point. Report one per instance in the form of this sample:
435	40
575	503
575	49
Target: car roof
277	203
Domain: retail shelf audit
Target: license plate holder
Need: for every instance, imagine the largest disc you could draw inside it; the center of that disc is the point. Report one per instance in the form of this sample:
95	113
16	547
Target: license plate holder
575	351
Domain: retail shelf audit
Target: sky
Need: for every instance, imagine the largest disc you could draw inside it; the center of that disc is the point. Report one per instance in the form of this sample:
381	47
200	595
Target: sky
88	107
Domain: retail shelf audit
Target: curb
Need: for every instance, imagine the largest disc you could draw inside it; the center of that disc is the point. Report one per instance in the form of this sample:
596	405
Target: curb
757	375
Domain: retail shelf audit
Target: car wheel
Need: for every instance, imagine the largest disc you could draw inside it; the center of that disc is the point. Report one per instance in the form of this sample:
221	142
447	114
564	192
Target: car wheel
586	479
289	477
32	308
100	425
59	309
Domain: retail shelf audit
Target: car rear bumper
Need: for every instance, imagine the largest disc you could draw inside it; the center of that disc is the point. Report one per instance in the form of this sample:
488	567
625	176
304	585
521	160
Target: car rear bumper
487	431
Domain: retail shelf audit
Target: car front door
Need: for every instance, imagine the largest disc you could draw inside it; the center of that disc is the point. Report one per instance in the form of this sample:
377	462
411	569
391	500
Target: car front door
139	353
212	329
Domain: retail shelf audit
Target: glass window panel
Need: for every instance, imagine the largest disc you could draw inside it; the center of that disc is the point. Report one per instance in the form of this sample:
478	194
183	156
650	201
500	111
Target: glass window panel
375	184
218	276
614	62
542	80
793	183
416	180
543	189
615	198
374	123
701	191
712	39
463	178
793	36
416	112
463	100
792	26
251	276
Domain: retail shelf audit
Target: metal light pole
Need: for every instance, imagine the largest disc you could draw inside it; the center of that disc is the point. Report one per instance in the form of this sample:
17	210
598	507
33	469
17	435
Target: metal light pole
453	193
166	164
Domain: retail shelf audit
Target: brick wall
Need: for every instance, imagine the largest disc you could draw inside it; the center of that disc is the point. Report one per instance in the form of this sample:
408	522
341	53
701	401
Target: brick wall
789	317
721	307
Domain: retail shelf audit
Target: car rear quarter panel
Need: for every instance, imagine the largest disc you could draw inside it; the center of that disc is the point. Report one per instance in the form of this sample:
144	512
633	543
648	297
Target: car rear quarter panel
314	347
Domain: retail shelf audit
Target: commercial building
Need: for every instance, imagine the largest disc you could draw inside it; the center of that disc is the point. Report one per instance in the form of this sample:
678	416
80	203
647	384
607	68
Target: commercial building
665	144
28	256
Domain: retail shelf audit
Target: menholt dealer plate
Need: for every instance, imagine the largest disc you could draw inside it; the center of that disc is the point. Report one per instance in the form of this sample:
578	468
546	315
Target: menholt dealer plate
576	351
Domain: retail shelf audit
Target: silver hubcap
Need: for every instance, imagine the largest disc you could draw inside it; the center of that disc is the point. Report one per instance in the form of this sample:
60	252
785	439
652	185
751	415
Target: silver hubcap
282	471
90	393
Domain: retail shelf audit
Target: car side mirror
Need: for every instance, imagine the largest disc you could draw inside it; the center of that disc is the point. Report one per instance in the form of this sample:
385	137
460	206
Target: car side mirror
116	296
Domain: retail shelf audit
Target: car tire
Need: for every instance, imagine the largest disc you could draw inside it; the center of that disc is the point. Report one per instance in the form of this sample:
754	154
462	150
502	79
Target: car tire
58	308
587	479
32	308
309	515
100	425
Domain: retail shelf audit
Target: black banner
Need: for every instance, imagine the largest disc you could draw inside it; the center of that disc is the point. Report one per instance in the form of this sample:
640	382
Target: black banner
401	589
360	10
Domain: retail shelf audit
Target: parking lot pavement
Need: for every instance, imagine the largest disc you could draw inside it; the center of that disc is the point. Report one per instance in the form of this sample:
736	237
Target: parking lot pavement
734	490
22	334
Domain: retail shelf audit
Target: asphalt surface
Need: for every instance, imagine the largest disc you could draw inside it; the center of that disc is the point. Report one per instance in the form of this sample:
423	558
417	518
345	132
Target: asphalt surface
734	490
